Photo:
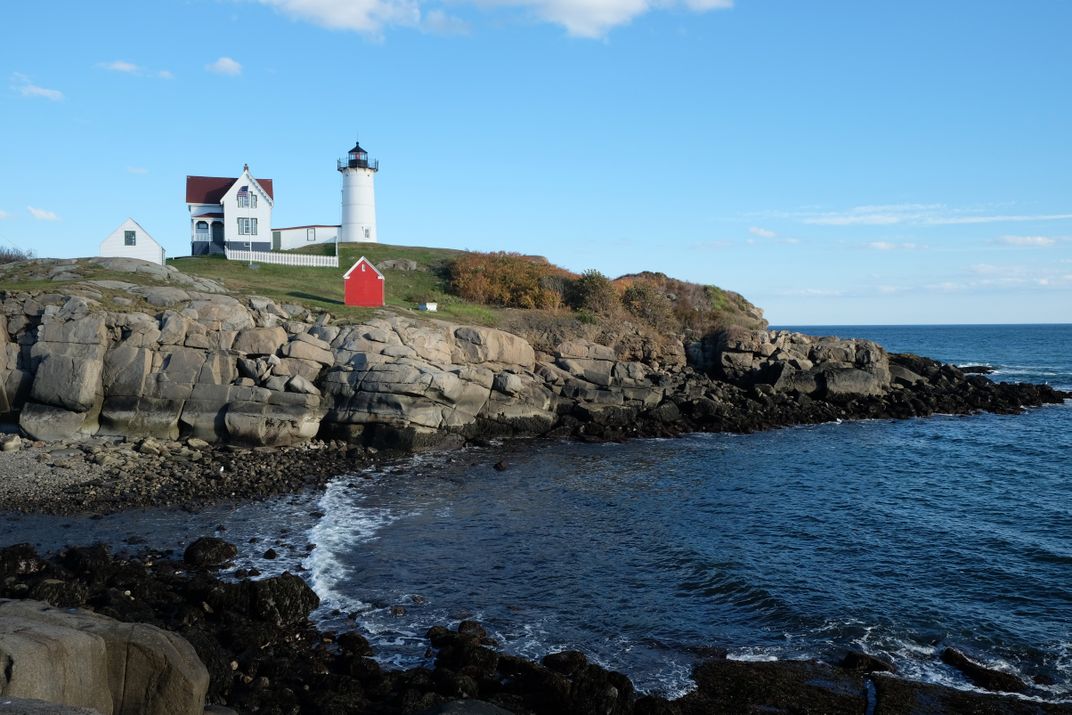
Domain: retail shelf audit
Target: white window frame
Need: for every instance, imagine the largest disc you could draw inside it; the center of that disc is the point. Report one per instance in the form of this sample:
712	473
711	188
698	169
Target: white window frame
247	226
130	238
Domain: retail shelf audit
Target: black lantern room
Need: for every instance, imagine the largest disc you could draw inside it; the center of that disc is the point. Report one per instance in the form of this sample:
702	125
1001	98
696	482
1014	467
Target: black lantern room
357	158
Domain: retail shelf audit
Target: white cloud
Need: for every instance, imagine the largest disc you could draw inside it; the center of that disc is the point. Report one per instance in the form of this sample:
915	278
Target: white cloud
1000	218
812	293
888	246
122	66
137	170
918	215
761	232
440	23
225	66
42	214
581	18
4	215
715	245
1037	241
24	86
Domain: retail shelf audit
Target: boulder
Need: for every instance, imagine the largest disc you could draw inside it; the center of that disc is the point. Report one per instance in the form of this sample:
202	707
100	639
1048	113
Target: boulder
259	424
397	264
487	345
302	350
903	376
297	383
125	370
173	329
48	423
140	417
69	381
209	552
981	675
89	330
219	368
850	382
83	659
220	312
161	296
260	341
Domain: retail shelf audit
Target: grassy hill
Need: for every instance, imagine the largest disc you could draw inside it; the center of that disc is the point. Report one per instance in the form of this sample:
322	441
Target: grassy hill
322	288
525	294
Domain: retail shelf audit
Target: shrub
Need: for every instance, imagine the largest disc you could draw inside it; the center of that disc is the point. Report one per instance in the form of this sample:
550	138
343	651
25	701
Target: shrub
11	254
593	292
644	300
507	279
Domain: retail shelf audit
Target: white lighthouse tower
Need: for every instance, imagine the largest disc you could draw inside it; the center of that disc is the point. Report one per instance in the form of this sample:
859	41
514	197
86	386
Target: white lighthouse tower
358	197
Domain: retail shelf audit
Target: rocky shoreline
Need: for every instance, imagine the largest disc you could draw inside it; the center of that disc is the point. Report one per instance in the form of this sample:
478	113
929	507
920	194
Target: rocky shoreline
106	473
178	363
264	655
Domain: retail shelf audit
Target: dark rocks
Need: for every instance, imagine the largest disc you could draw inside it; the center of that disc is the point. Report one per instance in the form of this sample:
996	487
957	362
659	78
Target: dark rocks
988	678
733	687
860	662
209	552
263	655
566	662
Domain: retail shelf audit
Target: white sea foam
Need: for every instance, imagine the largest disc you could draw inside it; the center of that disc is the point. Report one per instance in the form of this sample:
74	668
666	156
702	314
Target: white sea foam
345	524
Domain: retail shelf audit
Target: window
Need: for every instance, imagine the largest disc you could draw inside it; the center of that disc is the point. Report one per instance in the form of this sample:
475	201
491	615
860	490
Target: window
368	233
130	238
310	234
247	226
247	200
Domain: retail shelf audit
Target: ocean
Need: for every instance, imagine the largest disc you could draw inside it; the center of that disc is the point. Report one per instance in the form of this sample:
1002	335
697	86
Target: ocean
894	537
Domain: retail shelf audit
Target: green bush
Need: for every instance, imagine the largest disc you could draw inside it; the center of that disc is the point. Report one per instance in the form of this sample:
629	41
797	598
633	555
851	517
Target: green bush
593	292
648	303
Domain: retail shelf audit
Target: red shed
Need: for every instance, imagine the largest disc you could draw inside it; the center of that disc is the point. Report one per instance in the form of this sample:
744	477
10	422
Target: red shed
363	285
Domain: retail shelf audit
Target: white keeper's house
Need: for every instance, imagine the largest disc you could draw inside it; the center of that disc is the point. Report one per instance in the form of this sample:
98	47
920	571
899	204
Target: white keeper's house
235	214
228	212
130	240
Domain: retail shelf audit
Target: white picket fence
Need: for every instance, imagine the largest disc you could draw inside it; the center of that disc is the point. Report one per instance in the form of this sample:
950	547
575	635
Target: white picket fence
283	259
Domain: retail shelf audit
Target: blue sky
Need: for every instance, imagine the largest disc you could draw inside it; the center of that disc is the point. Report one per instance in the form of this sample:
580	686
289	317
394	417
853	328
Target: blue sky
834	161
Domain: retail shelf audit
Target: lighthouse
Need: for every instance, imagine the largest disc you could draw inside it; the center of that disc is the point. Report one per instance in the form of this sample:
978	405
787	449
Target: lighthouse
358	197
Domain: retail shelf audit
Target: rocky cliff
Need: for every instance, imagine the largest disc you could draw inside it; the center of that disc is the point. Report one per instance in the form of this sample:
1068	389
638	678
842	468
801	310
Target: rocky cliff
185	360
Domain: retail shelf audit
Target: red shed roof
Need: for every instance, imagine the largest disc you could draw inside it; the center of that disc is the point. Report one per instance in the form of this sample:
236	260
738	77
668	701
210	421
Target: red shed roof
368	263
210	189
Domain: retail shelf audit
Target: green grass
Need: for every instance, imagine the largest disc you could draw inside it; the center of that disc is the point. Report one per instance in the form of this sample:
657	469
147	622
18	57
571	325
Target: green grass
322	288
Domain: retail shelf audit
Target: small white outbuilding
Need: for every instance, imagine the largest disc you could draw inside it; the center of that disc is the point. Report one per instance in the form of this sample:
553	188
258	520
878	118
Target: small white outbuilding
130	240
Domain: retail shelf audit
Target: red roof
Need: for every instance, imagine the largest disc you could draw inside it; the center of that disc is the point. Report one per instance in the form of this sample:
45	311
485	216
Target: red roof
210	189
